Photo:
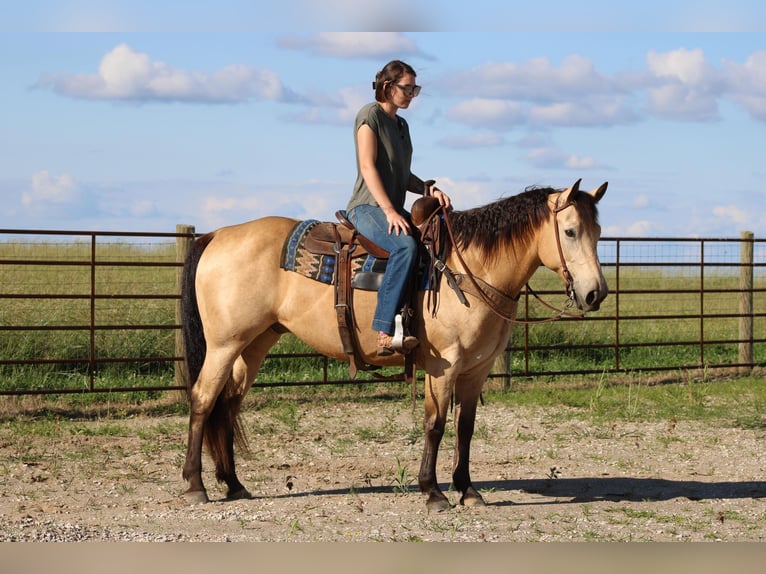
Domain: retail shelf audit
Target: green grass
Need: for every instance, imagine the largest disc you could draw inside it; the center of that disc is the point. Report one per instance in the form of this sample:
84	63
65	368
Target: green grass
739	402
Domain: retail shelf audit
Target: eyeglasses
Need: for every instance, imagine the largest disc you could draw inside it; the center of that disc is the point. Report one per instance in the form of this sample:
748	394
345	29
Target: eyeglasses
410	91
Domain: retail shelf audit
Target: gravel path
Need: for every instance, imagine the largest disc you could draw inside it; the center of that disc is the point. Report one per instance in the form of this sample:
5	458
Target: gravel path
346	472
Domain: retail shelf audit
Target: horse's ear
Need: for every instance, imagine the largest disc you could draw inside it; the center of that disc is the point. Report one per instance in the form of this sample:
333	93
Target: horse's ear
568	195
598	193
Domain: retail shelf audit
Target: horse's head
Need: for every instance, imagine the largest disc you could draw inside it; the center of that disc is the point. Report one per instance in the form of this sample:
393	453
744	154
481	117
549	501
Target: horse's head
569	248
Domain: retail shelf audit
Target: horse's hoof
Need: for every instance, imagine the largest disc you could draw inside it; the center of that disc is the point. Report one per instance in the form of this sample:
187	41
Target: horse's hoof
241	494
472	498
196	497
438	503
472	501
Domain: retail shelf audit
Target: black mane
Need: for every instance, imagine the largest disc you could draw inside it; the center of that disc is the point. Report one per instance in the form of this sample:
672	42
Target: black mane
510	221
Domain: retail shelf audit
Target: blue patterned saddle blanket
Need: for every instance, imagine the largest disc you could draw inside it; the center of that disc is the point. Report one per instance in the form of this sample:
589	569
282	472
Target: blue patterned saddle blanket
320	266
366	270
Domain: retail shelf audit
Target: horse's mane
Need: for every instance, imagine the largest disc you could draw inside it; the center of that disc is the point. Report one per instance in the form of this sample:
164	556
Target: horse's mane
509	222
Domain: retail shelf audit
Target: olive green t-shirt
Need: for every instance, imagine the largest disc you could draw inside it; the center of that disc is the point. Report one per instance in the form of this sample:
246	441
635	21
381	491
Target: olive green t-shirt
393	160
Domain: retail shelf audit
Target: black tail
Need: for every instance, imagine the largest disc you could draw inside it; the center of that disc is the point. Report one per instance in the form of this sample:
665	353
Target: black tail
191	324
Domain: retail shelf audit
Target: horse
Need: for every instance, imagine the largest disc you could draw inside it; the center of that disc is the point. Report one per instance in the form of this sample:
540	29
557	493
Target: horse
237	301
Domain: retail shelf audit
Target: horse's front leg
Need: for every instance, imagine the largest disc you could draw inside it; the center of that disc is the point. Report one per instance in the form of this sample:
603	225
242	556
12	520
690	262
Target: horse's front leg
437	399
465	418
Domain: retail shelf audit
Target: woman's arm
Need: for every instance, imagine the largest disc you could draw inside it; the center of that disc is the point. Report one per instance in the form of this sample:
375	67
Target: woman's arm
417	185
367	145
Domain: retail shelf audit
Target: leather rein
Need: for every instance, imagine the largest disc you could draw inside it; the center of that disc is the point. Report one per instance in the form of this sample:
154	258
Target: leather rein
564	270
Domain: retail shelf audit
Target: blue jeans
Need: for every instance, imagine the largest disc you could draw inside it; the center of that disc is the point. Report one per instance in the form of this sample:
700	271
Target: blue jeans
371	222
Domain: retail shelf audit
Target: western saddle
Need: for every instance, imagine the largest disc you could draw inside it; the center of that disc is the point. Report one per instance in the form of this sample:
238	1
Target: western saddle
345	242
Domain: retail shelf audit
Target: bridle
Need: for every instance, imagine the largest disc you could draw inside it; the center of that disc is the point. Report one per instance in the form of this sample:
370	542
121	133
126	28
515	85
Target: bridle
564	271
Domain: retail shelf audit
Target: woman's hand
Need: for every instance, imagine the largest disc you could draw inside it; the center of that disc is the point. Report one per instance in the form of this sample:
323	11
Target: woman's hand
397	223
443	198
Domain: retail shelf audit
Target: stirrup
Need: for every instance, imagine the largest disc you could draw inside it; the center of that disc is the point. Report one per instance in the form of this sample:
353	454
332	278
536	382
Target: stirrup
400	341
397	342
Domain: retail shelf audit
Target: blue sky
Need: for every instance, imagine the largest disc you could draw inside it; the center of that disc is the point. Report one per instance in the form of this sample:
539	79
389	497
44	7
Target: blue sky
141	130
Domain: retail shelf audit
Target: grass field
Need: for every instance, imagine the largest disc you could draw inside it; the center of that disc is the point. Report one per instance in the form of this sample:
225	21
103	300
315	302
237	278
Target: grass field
129	300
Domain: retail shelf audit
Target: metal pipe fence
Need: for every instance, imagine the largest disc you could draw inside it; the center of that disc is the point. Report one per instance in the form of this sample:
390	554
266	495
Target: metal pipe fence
99	312
675	304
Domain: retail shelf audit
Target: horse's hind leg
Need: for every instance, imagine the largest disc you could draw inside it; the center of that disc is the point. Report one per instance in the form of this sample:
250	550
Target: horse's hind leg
245	370
204	399
223	431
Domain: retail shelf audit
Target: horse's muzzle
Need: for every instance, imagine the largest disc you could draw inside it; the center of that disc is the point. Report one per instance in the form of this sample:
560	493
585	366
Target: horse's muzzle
592	301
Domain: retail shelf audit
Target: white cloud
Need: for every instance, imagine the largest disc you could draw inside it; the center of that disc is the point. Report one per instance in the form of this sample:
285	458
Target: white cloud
639	201
552	157
688	85
338	110
142	208
594	111
466	194
747	83
46	190
506	94
545	156
315	199
214	205
681	85
353	44
639	229
125	74
574	161
488	113
688	66
682	103
732	213
534	79
634	229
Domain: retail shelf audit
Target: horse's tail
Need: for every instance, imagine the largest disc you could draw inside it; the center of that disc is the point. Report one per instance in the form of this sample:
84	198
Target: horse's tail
223	422
191	324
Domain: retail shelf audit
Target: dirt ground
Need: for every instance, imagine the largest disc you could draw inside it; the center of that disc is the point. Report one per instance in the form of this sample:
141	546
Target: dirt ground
326	471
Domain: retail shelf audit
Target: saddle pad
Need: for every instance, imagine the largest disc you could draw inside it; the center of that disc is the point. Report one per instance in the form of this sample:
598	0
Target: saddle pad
295	257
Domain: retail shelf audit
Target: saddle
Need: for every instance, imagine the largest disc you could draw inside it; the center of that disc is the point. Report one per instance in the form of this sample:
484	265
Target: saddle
343	241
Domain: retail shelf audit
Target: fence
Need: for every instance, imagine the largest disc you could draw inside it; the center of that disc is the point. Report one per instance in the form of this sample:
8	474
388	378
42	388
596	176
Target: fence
674	305
99	312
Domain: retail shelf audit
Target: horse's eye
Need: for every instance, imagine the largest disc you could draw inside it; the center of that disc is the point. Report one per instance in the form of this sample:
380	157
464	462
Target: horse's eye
569	232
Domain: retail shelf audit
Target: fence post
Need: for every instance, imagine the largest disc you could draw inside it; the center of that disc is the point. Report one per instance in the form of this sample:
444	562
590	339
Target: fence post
502	366
746	303
183	245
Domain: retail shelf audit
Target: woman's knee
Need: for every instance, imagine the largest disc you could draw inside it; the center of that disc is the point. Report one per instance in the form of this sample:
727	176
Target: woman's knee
406	247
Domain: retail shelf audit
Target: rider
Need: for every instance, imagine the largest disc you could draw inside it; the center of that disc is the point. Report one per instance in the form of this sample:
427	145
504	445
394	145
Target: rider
376	208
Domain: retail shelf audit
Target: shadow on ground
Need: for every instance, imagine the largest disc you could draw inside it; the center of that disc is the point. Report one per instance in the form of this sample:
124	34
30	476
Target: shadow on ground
582	490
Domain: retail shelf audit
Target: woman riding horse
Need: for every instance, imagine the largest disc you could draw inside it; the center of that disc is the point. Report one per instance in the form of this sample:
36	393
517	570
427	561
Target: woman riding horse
238	301
376	208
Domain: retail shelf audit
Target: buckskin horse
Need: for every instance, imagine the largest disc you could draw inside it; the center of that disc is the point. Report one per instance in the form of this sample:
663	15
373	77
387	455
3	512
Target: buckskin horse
238	301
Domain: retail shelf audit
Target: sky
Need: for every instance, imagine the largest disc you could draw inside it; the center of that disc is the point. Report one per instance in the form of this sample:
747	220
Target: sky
209	123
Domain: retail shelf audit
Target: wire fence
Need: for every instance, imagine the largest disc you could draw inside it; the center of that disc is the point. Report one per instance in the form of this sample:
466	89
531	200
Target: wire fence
84	311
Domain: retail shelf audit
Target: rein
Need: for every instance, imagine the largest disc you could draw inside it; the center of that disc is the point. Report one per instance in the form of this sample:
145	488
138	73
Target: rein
564	269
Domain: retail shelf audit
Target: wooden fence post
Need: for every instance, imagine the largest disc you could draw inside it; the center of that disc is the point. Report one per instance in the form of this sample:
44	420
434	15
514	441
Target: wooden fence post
502	367
746	303
183	245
